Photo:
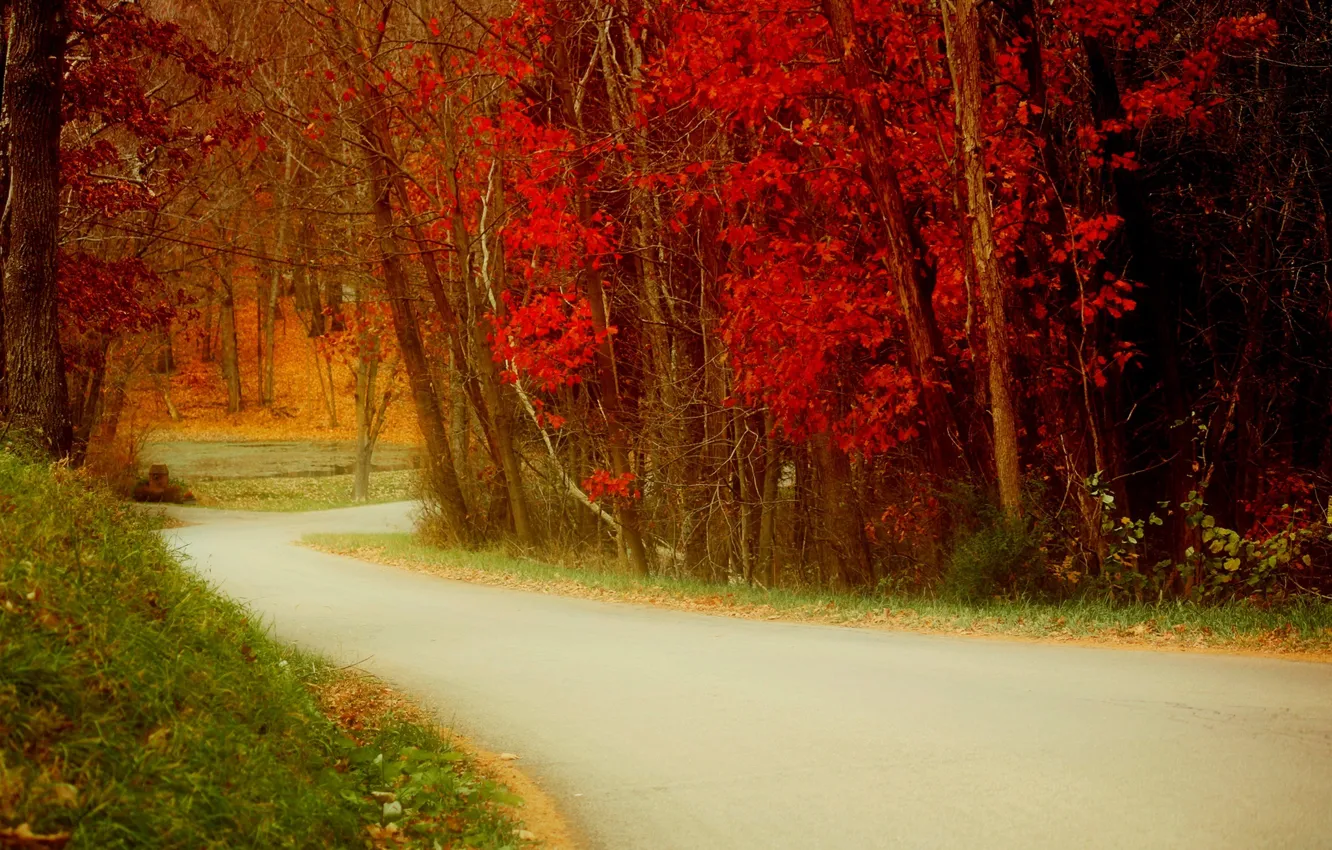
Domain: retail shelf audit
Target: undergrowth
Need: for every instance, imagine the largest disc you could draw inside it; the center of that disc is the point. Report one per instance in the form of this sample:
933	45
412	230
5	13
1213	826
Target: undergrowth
1299	626
138	708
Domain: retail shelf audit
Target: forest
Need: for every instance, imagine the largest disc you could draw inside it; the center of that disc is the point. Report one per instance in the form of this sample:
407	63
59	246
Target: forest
1002	298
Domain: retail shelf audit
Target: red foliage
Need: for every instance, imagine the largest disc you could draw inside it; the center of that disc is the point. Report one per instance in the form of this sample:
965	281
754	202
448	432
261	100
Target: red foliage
604	484
551	338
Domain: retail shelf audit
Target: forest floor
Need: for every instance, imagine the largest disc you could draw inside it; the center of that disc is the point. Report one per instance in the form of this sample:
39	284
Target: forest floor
1302	630
300	494
139	707
280	475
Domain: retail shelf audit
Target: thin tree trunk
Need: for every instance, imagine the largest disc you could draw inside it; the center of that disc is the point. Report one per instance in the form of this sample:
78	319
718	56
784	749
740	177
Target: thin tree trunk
34	362
367	370
767	561
4	198
493	414
260	298
617	436
962	33
206	343
268	332
231	374
429	416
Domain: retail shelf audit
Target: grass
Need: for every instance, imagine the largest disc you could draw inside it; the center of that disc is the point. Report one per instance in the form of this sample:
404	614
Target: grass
1304	628
301	494
139	708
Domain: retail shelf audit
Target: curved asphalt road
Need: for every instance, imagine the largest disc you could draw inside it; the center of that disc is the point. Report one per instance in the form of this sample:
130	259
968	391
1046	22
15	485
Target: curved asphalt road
664	730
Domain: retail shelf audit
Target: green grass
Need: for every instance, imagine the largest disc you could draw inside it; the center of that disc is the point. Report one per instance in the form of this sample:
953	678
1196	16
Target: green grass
1298	627
139	708
301	494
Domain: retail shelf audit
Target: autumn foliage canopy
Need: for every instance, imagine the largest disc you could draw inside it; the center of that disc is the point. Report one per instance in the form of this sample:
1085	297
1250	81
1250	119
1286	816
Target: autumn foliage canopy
755	289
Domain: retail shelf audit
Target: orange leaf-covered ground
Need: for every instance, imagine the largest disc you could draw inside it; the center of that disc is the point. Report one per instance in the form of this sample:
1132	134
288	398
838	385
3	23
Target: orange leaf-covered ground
299	410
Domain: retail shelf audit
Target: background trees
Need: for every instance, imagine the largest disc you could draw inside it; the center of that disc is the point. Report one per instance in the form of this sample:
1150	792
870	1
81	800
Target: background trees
758	290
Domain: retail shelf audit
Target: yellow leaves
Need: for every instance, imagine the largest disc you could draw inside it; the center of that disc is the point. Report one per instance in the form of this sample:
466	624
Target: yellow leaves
158	739
386	836
22	837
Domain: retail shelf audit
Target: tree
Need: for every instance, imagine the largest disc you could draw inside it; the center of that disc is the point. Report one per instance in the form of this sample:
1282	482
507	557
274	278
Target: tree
962	26
35	34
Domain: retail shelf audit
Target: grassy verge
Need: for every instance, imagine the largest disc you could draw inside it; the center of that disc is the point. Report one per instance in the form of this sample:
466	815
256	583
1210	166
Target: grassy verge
1305	628
301	494
138	708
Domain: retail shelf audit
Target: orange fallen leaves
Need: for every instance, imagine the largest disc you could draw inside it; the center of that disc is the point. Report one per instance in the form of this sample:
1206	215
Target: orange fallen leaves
299	410
22	837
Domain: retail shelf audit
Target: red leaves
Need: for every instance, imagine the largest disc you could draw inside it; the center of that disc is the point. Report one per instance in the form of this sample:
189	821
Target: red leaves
550	339
604	484
109	298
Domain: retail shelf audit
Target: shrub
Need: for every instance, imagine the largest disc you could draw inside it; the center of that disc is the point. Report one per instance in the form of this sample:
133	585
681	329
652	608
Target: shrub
1003	557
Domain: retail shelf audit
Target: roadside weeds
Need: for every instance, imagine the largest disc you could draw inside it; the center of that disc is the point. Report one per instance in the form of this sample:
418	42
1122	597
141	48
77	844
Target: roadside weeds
1301	632
362	706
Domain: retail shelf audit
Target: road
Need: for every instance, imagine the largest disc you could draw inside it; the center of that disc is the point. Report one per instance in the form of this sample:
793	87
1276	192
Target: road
664	730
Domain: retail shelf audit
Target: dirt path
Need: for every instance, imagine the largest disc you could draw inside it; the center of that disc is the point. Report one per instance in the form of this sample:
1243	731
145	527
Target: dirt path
666	729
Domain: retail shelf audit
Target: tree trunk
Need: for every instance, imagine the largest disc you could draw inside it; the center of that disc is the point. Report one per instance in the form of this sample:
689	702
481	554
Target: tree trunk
34	362
429	416
912	278
964	56
206	341
844	533
367	370
260	298
4	197
617	435
494	414
268	332
767	560
231	374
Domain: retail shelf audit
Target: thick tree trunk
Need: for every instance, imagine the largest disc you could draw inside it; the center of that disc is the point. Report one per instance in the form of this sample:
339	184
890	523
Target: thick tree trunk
34	362
849	565
912	278
962	30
